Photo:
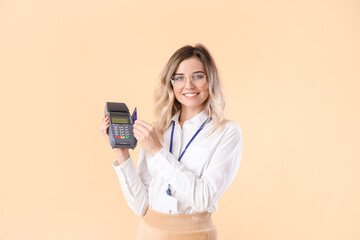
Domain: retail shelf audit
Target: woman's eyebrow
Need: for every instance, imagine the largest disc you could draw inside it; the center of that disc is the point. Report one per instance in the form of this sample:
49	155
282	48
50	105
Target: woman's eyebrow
192	73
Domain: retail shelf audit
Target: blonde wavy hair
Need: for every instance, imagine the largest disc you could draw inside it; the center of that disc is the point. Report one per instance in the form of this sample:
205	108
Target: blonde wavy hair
166	104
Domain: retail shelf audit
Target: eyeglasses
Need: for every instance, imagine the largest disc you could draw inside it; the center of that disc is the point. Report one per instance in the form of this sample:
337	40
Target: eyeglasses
178	80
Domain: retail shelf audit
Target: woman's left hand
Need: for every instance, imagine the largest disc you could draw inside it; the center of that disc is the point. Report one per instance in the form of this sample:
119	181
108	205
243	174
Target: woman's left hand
147	137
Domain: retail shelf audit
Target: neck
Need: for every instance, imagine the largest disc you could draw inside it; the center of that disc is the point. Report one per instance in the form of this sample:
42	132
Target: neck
188	113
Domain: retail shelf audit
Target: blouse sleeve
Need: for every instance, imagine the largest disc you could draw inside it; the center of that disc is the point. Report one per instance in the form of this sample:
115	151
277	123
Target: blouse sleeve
135	183
203	192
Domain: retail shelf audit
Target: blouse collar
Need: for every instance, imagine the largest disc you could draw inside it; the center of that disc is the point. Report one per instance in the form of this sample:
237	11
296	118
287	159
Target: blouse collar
197	120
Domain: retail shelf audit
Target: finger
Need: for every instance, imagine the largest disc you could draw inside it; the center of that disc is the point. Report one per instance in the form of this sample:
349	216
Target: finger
145	124
138	134
141	128
105	121
143	132
105	128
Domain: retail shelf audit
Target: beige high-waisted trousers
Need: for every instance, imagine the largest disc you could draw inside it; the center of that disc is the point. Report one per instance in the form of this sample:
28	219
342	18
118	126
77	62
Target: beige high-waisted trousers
161	226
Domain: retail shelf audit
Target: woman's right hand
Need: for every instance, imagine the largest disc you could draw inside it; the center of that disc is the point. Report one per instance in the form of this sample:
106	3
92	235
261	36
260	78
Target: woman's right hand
121	153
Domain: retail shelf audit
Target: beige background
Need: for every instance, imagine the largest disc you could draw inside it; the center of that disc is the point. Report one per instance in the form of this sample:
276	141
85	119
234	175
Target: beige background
291	75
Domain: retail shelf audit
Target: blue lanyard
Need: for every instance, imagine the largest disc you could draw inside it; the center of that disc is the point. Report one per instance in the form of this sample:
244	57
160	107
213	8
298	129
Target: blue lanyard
197	132
168	191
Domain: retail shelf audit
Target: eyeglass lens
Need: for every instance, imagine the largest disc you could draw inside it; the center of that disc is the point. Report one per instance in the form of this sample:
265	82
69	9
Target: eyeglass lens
197	79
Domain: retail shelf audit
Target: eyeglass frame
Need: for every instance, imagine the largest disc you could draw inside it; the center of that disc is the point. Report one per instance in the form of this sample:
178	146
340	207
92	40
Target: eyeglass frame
185	77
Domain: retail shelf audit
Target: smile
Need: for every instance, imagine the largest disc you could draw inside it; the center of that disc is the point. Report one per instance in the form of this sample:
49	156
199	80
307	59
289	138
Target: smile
190	94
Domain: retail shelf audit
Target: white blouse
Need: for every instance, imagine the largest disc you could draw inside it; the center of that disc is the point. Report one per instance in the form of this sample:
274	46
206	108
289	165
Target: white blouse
205	171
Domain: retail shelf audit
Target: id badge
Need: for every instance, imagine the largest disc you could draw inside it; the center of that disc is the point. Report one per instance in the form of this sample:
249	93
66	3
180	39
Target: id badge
167	202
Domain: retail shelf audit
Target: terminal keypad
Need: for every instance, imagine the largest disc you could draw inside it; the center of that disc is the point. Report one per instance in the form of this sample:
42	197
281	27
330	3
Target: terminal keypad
122	131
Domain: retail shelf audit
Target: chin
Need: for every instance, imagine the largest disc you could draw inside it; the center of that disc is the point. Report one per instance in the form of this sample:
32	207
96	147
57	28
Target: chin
192	105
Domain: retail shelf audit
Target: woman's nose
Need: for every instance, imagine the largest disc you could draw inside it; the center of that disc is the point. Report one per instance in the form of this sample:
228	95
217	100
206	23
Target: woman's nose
188	82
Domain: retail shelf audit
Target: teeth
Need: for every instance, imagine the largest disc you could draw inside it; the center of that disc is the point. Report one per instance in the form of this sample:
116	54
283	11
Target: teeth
190	95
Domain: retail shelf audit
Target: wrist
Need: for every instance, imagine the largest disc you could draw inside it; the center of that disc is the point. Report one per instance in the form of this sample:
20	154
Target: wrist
122	157
156	150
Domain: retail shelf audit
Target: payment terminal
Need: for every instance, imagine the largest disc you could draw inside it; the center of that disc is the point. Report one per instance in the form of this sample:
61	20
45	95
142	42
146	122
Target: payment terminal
120	125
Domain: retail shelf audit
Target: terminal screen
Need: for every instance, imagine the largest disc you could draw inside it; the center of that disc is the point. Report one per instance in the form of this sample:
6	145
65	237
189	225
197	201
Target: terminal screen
120	120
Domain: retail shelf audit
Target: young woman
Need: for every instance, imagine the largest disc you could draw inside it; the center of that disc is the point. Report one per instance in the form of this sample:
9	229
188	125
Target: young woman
188	158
